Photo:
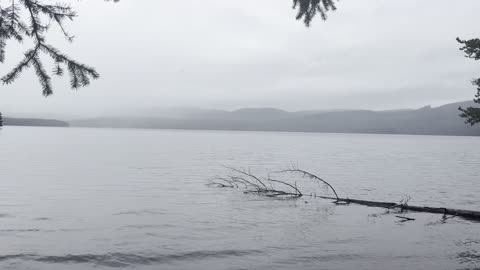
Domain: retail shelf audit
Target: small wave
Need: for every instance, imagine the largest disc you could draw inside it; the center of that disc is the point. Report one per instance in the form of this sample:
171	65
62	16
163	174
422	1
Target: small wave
147	226
41	218
13	257
139	213
328	258
21	230
40	230
467	242
345	241
471	256
119	260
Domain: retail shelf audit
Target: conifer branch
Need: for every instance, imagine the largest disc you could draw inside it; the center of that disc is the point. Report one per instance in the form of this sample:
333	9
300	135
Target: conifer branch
34	24
3	43
45	80
308	9
10	77
471	48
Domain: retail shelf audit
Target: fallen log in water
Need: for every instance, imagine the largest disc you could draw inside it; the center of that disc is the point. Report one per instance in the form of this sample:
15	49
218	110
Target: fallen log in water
265	187
474	215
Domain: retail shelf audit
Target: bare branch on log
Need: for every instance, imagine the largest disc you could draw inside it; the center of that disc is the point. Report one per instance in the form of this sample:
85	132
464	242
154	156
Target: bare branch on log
311	176
287	184
254	184
249	175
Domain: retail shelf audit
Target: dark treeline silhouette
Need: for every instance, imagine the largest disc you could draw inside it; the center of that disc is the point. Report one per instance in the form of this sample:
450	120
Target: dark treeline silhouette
7	121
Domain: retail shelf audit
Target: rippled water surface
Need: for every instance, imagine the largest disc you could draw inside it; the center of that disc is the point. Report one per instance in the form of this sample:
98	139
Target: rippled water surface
136	199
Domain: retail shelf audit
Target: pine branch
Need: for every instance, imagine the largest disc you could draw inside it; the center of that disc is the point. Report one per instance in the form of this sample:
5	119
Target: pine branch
471	48
42	75
471	115
3	43
79	73
58	13
12	75
34	24
308	9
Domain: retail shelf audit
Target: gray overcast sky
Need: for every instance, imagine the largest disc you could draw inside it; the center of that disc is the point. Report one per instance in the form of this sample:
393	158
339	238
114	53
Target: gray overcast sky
226	54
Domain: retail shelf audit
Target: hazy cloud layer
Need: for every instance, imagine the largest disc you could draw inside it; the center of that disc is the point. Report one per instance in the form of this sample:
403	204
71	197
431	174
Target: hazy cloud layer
231	54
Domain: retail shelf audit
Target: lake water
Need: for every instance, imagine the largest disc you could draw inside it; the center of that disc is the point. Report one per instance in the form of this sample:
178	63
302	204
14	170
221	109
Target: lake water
74	198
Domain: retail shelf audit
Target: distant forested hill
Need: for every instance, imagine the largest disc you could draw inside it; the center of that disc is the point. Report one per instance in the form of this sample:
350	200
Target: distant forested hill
443	120
7	121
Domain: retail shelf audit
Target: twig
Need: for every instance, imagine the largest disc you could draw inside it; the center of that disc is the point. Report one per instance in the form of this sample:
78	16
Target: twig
295	188
404	219
247	174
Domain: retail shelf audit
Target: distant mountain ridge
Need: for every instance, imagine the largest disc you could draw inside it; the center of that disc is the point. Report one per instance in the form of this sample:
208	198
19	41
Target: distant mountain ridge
443	120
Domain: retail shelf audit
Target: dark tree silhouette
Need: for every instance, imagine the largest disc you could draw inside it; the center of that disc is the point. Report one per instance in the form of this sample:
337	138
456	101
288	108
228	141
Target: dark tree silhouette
31	19
1	120
472	50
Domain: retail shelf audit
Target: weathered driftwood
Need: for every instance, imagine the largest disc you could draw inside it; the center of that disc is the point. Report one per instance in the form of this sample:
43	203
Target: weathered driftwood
468	214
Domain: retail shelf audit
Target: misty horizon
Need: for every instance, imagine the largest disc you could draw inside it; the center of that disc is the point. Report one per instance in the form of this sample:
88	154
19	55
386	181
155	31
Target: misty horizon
252	54
427	120
175	111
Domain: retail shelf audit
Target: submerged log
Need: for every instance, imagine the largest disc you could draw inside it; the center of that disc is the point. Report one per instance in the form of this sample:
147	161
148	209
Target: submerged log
467	214
265	187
